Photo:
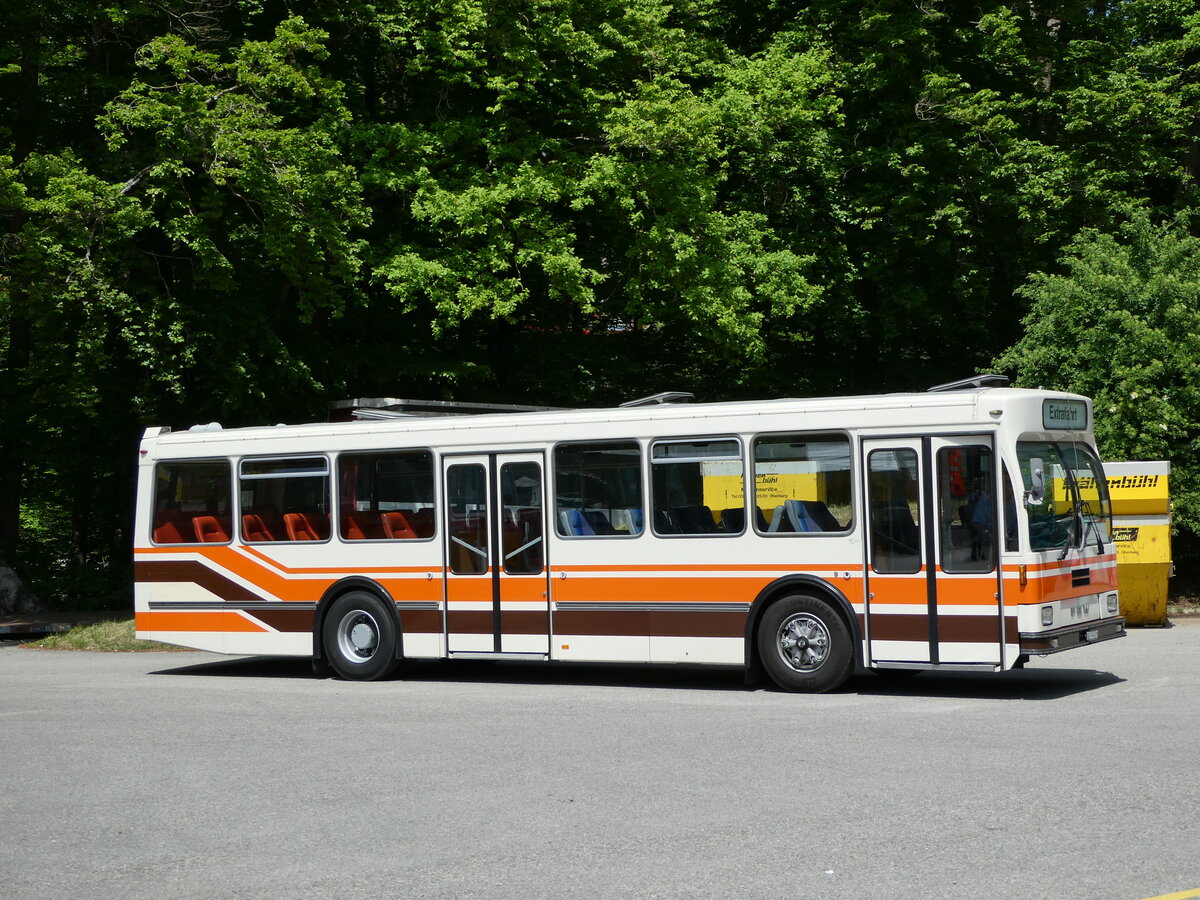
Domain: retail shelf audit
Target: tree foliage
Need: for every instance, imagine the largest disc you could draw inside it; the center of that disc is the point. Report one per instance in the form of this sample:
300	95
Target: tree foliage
1121	324
241	209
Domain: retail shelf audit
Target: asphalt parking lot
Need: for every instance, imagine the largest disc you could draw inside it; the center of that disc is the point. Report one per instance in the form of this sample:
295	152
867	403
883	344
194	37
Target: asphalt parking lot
194	775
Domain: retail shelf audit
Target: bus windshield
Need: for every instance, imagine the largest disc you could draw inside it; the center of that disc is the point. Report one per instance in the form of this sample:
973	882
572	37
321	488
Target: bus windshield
1074	508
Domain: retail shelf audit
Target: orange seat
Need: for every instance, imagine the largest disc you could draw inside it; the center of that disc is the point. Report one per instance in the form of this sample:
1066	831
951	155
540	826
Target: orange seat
352	530
209	530
254	529
299	527
170	528
396	527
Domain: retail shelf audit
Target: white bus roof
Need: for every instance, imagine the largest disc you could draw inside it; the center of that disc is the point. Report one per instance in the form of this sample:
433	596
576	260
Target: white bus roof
982	407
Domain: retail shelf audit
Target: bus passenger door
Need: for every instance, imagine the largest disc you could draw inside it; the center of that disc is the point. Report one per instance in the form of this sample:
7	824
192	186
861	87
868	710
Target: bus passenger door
495	554
932	566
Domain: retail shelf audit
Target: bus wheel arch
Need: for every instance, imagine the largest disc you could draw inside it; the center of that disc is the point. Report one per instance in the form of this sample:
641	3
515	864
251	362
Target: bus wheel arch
357	630
815	607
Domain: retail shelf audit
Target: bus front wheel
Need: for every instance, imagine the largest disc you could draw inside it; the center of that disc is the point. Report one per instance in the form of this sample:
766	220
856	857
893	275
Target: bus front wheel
804	645
360	637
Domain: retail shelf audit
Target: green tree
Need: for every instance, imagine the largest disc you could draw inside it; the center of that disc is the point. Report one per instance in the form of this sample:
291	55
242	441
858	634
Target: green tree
1120	322
224	209
176	235
979	140
579	201
60	223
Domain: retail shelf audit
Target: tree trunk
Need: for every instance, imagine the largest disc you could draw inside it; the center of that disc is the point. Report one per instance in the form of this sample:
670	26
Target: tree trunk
14	388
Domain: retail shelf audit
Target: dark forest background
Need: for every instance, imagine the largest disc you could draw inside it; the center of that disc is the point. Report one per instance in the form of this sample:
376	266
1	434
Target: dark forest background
240	210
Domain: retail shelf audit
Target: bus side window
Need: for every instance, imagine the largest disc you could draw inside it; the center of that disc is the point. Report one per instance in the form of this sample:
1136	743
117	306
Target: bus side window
895	511
192	502
466	513
598	489
699	486
285	499
802	484
385	496
966	509
1010	514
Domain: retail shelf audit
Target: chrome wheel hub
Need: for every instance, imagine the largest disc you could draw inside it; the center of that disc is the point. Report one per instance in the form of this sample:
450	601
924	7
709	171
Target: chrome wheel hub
803	642
358	636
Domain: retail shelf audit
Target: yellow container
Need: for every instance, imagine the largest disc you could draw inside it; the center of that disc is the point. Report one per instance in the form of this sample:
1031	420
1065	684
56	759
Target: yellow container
1142	529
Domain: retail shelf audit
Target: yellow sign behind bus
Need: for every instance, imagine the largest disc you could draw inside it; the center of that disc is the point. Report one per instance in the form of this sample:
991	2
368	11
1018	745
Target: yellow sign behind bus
1141	507
776	482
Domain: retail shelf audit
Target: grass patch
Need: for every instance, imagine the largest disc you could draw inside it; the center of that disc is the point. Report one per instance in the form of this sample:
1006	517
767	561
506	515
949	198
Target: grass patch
1188	608
106	637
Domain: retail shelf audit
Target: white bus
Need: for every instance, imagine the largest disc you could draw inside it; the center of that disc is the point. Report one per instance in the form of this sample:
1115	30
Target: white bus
964	528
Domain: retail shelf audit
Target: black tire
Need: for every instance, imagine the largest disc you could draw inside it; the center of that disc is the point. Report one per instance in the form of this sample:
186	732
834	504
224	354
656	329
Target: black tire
360	637
804	645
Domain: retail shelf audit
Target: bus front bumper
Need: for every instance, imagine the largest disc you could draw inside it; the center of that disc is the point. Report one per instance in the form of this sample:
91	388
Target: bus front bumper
1045	642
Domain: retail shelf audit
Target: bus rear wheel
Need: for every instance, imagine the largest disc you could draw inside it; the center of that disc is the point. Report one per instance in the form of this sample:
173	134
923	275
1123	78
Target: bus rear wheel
804	645
360	637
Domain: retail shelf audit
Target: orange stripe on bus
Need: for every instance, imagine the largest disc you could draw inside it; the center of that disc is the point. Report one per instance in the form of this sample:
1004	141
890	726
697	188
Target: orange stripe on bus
665	583
339	570
261	577
706	567
218	620
1085	562
275	564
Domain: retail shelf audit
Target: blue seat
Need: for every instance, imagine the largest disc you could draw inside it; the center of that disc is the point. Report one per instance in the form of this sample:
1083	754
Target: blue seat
578	523
798	516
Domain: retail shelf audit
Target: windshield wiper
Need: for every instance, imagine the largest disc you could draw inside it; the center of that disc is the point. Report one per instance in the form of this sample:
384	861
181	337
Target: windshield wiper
1090	519
1077	504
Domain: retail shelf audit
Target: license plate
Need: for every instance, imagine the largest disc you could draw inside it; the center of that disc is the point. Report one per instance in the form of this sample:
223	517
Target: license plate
1092	634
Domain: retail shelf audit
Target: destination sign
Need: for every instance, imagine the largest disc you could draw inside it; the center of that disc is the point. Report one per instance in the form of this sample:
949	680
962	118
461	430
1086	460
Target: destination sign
1064	414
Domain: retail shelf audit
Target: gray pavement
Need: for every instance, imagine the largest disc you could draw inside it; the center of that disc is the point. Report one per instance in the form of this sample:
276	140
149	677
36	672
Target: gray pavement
193	775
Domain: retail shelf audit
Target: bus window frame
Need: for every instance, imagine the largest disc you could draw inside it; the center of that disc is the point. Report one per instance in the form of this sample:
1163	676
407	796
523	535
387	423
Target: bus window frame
336	527
329	494
851	469
230	462
552	508
651	443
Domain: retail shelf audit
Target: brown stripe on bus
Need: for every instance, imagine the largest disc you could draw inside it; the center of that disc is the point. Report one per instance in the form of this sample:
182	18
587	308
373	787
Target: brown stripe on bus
968	629
951	629
664	623
898	627
284	619
524	621
421	621
190	571
659	623
470	621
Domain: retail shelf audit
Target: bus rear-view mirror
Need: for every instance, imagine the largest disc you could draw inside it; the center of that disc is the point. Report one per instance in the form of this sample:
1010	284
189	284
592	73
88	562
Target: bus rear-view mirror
1037	483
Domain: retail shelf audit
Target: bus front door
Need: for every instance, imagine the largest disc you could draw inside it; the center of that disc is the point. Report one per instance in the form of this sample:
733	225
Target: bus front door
933	588
496	573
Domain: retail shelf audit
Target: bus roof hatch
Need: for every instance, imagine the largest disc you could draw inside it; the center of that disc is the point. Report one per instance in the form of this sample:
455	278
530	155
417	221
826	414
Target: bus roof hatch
974	383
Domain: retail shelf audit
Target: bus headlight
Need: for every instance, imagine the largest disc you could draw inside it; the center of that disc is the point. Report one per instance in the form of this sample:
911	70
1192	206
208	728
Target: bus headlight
1047	615
1113	605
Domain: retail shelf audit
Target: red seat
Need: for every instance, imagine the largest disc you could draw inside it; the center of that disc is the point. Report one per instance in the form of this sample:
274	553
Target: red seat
299	527
209	530
254	529
352	530
396	527
170	528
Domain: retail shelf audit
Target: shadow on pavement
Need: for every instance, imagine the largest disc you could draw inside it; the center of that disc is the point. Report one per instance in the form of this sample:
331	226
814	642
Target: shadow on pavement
1024	684
1017	684
492	672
